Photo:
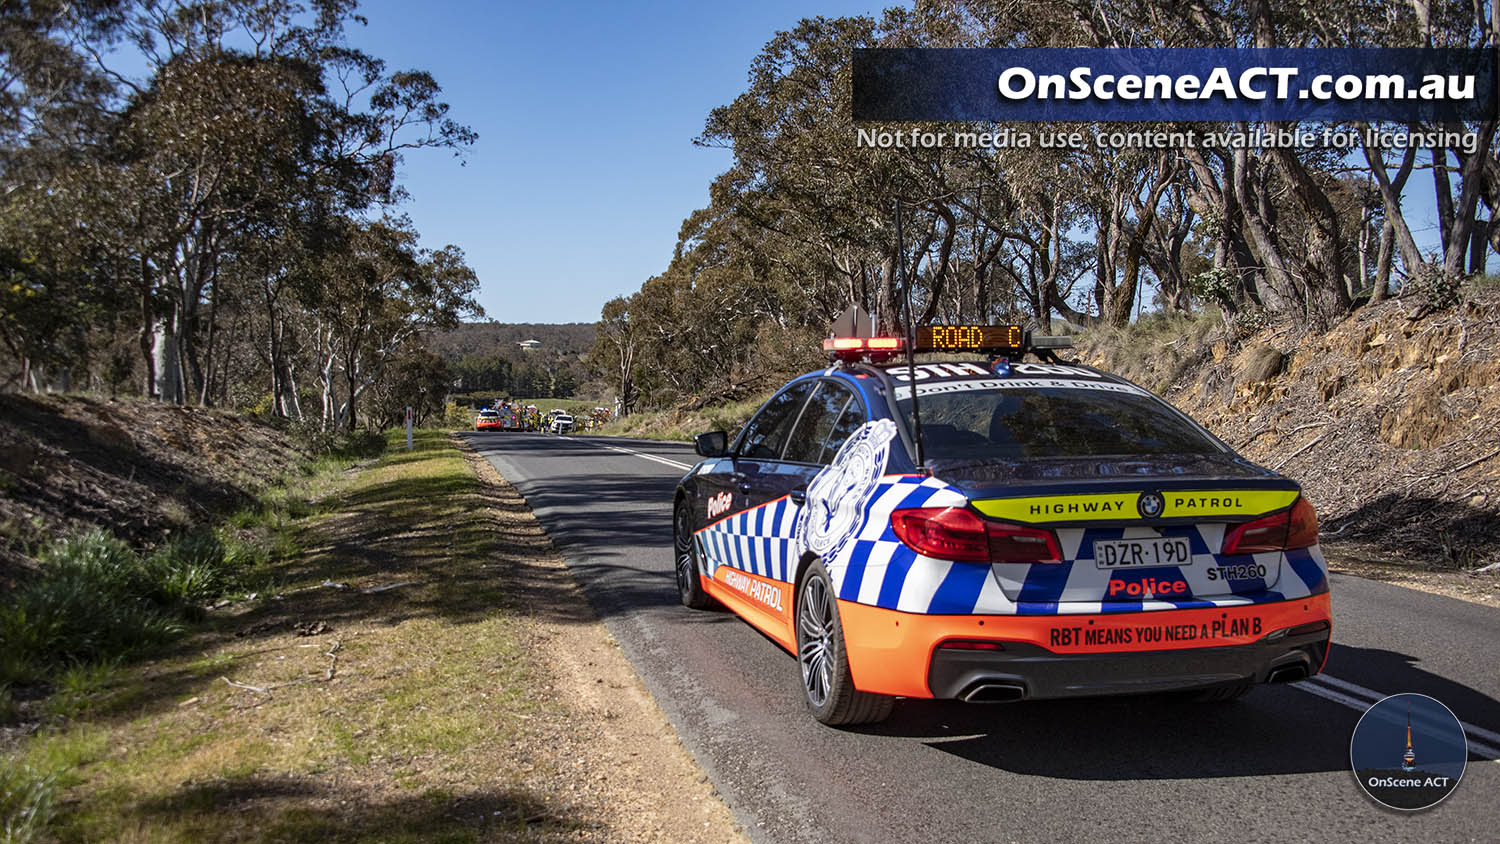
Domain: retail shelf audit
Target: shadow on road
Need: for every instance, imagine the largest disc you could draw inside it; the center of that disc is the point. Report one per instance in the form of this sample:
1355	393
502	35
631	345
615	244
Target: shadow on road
1137	737
603	521
1393	672
599	520
1275	730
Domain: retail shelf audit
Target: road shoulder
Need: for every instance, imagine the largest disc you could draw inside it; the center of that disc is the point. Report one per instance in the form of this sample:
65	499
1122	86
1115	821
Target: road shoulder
425	669
645	779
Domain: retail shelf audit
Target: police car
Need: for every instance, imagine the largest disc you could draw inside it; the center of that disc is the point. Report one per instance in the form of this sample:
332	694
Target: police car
1015	527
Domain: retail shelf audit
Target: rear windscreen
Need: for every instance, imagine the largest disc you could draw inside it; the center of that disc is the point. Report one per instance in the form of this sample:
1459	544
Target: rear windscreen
1052	422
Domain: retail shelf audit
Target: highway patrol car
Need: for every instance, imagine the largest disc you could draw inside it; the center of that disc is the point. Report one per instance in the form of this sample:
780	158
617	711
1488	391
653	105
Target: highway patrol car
1010	529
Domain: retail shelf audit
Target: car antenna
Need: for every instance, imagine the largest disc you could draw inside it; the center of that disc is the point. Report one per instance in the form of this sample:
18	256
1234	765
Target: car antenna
911	341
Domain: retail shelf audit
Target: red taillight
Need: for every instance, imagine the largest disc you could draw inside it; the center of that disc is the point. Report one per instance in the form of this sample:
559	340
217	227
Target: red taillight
1303	531
948	533
1294	528
953	533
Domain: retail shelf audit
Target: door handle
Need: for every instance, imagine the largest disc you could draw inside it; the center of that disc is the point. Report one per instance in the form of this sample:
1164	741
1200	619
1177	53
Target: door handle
798	496
740	481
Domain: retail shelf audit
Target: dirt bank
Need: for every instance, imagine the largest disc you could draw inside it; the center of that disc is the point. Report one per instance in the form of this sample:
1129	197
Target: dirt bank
1390	420
139	469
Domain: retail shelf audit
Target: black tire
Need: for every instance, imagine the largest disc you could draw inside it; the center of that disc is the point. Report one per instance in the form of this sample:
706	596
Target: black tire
826	683
1223	694
685	559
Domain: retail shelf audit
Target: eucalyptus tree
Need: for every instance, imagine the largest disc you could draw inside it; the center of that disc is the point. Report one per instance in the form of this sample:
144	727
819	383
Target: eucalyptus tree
798	175
380	291
51	106
253	115
617	340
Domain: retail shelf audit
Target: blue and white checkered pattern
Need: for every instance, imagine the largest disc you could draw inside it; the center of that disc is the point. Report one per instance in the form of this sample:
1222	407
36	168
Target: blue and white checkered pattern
879	570
758	540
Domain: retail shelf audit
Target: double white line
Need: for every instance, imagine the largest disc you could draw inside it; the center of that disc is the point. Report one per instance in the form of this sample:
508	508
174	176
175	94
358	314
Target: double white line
653	458
1482	742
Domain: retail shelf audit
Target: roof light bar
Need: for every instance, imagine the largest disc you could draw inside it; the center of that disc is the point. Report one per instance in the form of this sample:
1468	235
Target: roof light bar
856	347
1000	340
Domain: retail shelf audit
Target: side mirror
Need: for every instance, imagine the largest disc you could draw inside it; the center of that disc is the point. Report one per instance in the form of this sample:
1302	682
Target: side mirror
711	444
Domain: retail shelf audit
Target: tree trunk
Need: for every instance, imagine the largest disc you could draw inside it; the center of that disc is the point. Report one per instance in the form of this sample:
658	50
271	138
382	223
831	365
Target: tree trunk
206	375
1383	262
168	387
144	339
1280	292
940	275
1468	201
1390	194
348	418
1444	196
1327	297
887	309
1479	246
1135	245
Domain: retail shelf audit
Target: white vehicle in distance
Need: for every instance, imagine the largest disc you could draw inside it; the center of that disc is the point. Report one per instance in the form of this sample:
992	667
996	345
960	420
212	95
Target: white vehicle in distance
562	423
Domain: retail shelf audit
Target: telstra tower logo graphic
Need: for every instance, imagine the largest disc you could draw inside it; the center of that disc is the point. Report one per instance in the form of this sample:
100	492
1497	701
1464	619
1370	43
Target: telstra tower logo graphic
1409	758
1383	752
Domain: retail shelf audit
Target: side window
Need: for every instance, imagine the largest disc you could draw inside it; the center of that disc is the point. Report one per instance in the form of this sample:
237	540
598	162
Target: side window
826	409
848	422
766	433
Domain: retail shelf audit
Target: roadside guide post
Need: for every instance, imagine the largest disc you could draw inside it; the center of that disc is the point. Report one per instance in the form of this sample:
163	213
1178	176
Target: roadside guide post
408	427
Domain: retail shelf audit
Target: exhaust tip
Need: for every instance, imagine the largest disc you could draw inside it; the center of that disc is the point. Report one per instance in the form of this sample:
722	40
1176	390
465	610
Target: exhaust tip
994	693
1288	674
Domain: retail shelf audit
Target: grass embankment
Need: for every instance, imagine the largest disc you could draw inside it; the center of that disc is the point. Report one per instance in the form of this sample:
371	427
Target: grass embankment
681	425
379	693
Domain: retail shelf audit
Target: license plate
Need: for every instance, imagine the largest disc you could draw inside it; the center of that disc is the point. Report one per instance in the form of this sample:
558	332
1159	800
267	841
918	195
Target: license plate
1142	553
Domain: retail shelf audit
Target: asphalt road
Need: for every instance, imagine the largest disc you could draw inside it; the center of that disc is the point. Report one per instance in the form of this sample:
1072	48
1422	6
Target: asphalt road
1273	766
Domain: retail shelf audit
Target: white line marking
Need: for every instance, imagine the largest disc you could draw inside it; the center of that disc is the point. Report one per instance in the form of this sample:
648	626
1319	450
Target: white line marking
1310	686
1313	687
1488	735
653	458
1349	687
1329	694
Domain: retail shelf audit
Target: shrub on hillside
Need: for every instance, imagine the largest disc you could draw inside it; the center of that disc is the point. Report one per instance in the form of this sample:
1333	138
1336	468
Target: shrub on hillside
311	435
456	416
94	598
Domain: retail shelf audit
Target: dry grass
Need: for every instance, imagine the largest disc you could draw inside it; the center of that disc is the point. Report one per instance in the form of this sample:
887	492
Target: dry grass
681	425
1386	420
340	711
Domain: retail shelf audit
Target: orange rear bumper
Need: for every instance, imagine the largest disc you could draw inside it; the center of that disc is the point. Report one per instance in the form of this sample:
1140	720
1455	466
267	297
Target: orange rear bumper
891	652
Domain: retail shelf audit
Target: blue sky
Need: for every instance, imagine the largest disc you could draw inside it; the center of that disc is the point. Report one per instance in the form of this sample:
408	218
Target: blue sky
585	166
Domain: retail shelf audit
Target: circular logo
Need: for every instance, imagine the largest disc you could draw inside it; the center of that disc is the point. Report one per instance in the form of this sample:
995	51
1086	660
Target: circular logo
836	496
1408	752
1150	505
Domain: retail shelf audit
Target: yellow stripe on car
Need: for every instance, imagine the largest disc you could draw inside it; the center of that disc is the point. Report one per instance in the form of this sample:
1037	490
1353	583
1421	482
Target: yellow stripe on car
1176	504
1062	508
1248	502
